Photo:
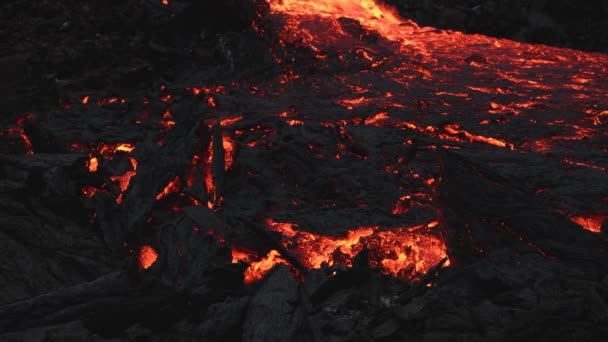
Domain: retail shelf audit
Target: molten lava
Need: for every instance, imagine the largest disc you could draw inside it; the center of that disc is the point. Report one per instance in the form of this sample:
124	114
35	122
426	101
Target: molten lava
258	269
147	256
403	252
592	222
92	163
369	13
368	80
173	186
124	179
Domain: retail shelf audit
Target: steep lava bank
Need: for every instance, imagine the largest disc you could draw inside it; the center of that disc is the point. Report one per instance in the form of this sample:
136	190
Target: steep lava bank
417	183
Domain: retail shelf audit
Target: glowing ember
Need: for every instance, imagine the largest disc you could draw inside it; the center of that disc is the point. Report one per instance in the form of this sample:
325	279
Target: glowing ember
456	131
368	12
592	222
211	102
107	150
92	164
239	254
19	131
147	257
377	118
89	191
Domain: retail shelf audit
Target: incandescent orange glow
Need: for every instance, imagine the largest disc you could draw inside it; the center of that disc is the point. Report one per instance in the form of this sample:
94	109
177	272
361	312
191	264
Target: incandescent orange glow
368	12
294	122
172	187
92	164
28	143
455	130
374	120
229	150
124	179
591	222
403	252
19	130
229	146
258	269
317	249
107	150
147	256
227	122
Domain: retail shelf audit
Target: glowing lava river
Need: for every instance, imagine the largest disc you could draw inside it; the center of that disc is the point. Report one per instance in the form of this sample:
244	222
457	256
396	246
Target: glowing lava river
366	133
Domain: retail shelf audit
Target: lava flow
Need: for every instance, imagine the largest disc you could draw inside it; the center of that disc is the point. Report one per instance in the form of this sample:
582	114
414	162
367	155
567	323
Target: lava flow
339	147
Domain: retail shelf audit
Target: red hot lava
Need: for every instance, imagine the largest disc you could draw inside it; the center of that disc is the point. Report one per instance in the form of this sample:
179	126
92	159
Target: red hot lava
407	80
147	256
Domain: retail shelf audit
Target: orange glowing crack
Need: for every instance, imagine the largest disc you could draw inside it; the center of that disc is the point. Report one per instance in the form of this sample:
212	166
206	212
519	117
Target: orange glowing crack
172	187
124	179
229	150
294	122
108	150
227	122
19	130
258	269
455	130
